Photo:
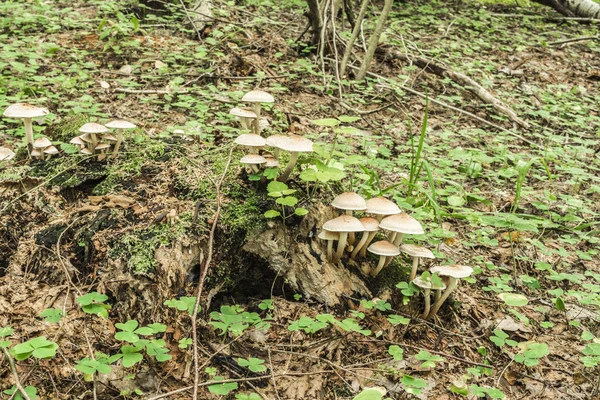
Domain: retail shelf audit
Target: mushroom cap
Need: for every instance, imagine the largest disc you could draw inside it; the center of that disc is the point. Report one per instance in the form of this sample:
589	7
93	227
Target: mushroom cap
42	142
51	150
253	159
370	224
349	201
382	206
6	154
327	235
120	124
416	251
345	223
92	127
78	141
85	150
108	136
402	223
258	96
178	132
452	270
263	124
36	153
85	137
384	248
241	112
102	146
271	162
250	140
24	110
292	143
423	284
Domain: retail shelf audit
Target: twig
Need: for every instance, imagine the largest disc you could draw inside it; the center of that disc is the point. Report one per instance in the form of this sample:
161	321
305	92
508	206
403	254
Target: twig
13	369
470	84
355	32
187	14
93	358
374	40
573	40
205	272
546	17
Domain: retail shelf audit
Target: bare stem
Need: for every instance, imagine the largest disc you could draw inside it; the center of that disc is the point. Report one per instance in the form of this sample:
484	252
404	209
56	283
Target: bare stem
13	369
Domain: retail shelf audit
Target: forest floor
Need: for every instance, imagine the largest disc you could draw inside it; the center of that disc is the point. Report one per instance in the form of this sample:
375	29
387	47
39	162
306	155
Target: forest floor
519	204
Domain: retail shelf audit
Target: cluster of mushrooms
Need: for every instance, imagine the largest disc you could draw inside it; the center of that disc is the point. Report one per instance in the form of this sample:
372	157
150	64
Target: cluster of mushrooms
257	157
386	216
94	138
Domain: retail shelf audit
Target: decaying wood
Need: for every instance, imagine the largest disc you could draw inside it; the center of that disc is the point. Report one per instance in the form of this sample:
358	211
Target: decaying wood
474	87
303	264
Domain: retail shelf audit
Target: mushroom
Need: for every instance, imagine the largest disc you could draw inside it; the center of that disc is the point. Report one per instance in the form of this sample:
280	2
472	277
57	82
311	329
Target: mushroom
40	144
349	202
263	124
253	160
27	113
251	140
78	141
271	162
371	226
102	147
256	97
427	285
246	117
50	150
172	216
399	224
295	145
6	154
380	206
329	237
119	126
416	252
343	225
383	249
454	272
93	129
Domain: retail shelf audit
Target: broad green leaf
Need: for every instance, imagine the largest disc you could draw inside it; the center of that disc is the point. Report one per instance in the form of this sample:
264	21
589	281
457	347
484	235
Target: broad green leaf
513	299
128	326
348	118
272	214
300	211
330	122
276	186
397	352
287	201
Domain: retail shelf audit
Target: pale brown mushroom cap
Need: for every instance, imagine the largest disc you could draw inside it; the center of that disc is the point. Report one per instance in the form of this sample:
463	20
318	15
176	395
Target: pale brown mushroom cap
120	124
349	201
344	223
241	112
25	110
92	127
78	141
384	248
416	251
36	153
370	224
51	150
6	154
292	143
402	223
41	143
423	284
110	137
250	140
102	146
258	96
327	235
86	137
271	162
382	206
85	150
453	270
253	159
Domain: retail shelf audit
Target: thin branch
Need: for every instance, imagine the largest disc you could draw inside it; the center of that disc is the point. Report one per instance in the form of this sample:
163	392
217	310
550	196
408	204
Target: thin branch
374	40
355	32
13	369
574	40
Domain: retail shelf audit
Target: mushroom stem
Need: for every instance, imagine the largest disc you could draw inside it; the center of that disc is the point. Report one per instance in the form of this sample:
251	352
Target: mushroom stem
330	250
290	167
438	294
360	244
398	239
452	283
392	237
427	295
118	144
28	130
415	266
363	250
351	236
256	109
341	247
94	142
379	267
254	168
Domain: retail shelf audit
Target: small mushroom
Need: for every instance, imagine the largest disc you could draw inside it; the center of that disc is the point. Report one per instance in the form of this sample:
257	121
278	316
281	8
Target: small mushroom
416	252
256	97
371	226
40	144
119	126
349	202
27	113
295	145
102	148
330	237
383	249
427	285
246	118
50	150
253	160
6	154
380	206
399	224
252	141
172	216
454	272
342	225
93	129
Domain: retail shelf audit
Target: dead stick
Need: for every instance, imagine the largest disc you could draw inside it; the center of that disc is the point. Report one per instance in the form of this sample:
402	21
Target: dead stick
211	240
13	369
374	40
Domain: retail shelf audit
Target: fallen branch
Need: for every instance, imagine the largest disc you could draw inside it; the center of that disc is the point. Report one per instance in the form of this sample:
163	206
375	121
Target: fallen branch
474	87
574	40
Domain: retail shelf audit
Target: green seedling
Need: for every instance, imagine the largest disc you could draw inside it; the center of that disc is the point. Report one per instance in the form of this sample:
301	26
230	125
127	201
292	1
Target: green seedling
93	303
184	303
253	364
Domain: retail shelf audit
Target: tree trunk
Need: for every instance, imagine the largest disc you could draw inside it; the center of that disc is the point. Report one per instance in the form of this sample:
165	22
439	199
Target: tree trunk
577	8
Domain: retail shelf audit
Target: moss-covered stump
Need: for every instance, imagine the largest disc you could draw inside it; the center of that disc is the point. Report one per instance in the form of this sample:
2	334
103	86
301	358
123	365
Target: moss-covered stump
301	260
